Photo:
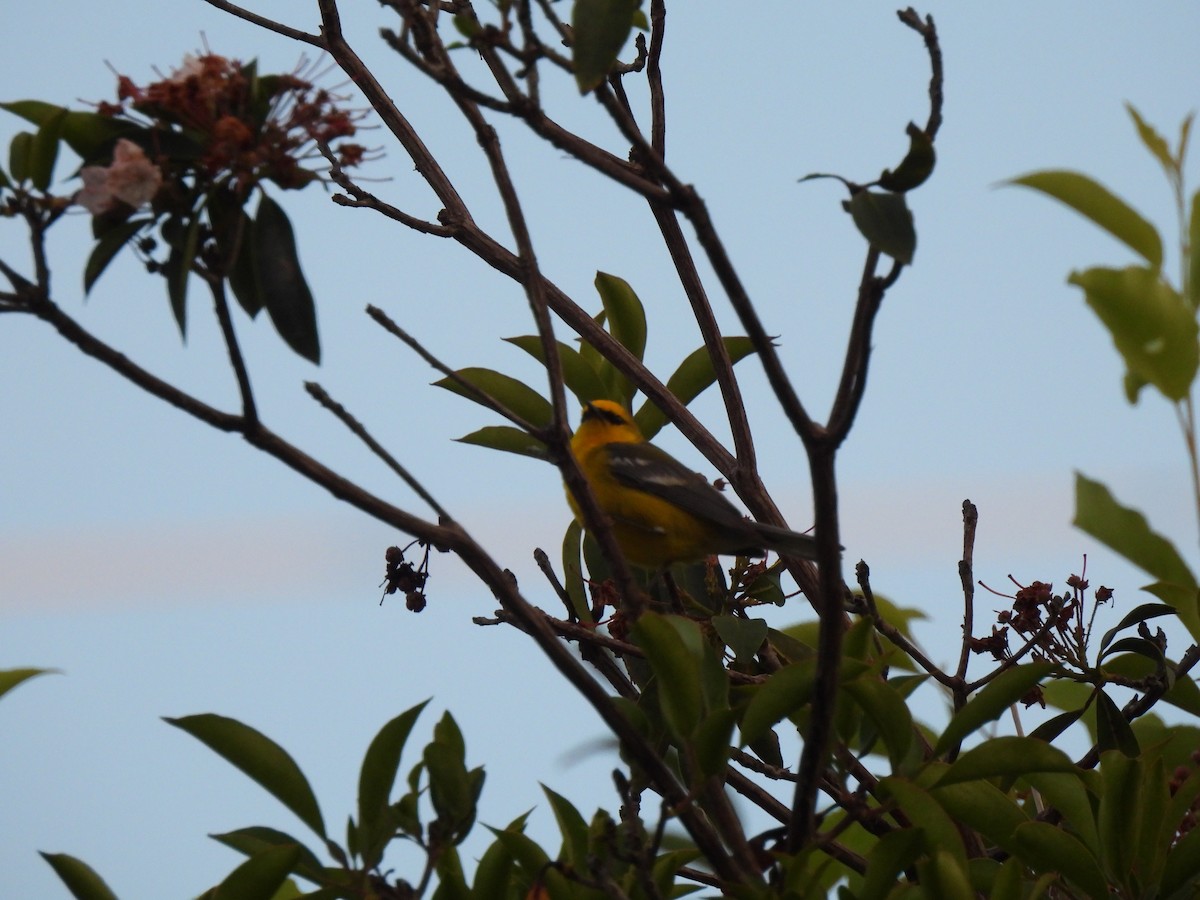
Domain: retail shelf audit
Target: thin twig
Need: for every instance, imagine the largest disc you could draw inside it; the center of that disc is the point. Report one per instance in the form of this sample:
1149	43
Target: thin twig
966	574
319	394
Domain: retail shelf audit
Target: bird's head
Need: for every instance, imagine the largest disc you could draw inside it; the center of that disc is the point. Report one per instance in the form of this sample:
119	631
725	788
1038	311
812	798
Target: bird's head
607	422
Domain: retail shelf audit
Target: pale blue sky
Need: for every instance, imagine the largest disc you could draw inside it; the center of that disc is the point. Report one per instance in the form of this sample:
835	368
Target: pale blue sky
171	570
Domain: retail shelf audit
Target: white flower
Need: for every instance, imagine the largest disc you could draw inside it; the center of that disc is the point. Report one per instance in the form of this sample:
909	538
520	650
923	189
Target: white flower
131	179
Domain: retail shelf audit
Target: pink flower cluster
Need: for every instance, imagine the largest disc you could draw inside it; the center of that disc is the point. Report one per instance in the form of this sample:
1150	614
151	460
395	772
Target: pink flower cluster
132	179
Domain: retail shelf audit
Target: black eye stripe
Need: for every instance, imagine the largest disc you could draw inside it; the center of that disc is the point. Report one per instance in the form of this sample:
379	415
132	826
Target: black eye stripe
596	412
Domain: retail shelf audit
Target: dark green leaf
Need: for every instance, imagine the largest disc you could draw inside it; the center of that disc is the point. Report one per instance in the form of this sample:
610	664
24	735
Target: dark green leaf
1094	201
259	877
108	247
997	696
20	156
179	270
1138	645
917	165
743	636
1048	849
281	283
982	806
90	135
452	789
514	395
80	878
44	152
10	678
600	29
1006	756
508	439
234	234
1153	328
251	841
1142	613
1053	727
694	375
259	757
376	780
886	222
1113	730
579	375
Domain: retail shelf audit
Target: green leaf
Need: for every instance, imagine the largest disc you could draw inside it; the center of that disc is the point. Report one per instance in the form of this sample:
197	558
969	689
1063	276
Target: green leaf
20	156
376	780
785	693
1120	810
1094	201
886	222
179	270
1048	849
1154	142
891	855
693	376
1006	756
10	678
917	165
1113	731
514	395
259	877
579	375
1127	532
254	840
234	234
80	878
982	806
264	761
1067	793
88	134
742	636
452	789
675	660
573	572
626	321
1139	614
600	29
44	152
710	745
888	713
1153	328
572	827
4	180
508	439
997	696
941	832
1183	599
1181	874
1193	268
281	283
493	873
108	247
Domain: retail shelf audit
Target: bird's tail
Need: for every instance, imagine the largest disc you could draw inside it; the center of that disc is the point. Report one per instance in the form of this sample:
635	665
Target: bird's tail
786	542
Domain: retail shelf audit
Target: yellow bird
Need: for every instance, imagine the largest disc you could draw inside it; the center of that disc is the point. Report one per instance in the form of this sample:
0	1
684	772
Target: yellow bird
661	511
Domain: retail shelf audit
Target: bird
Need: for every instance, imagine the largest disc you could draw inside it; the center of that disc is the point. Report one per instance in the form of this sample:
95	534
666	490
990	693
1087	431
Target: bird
662	512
